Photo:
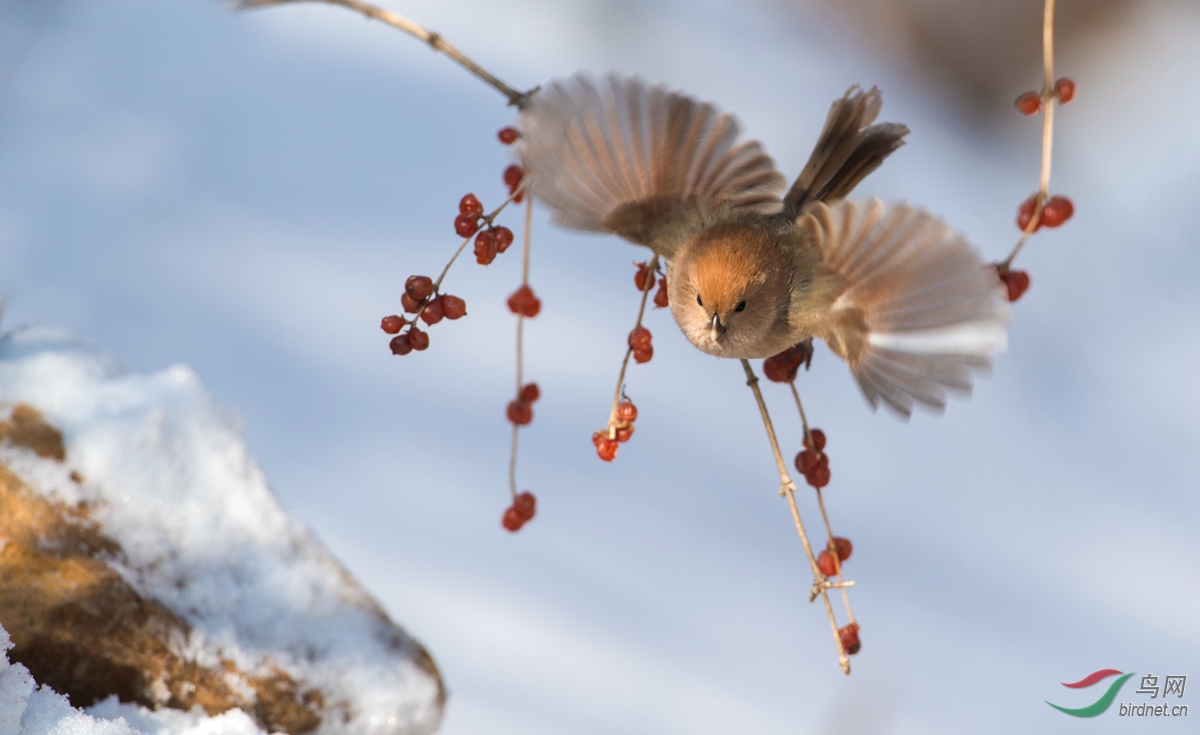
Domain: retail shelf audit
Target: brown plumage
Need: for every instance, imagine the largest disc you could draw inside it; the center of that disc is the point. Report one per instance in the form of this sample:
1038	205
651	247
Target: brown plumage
751	270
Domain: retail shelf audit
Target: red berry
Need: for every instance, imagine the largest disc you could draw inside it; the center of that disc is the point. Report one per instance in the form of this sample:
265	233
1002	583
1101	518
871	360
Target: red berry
627	413
466	225
400	345
532	307
519	412
512	520
512	176
518	299
1058	210
433	311
1065	89
643	273
606	448
418	339
504	238
818	476
844	547
643	356
660	298
805	461
782	368
623	433
530	393
453	307
1016	283
640	339
508	135
411	305
526	505
818	438
418	287
825	564
485	247
392	324
470	206
1025	214
849	638
1029	103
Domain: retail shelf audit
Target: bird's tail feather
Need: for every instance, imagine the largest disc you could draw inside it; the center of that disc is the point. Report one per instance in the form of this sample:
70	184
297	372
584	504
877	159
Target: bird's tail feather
849	148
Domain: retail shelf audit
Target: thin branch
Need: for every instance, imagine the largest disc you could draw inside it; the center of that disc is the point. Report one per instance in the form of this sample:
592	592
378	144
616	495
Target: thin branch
837	559
1048	100
512	459
651	267
432	38
787	488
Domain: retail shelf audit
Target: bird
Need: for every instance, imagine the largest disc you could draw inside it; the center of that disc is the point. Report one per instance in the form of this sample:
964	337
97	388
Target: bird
753	268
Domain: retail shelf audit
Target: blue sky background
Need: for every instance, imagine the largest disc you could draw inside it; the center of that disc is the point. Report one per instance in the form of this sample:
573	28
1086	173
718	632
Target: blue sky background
245	193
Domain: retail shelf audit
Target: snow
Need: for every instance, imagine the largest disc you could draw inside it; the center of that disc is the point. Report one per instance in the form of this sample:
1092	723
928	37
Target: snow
169	478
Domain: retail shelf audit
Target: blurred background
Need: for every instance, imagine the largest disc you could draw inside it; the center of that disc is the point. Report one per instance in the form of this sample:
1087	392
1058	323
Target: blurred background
246	193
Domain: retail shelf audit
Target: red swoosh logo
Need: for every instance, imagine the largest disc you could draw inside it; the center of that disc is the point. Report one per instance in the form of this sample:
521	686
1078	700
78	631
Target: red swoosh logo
1092	678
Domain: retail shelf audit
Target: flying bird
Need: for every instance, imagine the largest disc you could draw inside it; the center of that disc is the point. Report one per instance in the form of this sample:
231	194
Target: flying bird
753	267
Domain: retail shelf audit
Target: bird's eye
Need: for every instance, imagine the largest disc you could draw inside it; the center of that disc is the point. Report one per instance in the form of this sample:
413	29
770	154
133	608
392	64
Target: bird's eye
741	306
698	300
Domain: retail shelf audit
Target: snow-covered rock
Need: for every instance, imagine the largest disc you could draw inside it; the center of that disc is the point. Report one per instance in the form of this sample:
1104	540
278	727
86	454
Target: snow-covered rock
148	573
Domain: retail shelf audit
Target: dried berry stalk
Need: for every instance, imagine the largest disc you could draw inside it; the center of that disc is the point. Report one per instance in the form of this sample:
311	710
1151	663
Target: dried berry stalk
787	488
432	38
1040	208
620	425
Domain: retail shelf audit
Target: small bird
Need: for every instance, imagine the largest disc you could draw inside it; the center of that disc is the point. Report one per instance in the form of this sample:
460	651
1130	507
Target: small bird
753	270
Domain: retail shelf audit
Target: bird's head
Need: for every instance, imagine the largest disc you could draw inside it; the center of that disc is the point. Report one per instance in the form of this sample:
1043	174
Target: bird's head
728	289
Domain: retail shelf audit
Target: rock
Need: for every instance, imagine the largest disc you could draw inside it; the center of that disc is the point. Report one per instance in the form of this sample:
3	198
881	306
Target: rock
143	557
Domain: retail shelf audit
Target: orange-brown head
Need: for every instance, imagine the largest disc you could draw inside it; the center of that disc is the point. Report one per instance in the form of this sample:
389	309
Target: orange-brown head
729	290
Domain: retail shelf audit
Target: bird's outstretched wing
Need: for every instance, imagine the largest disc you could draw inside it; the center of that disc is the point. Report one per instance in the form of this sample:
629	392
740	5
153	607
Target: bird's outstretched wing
920	309
613	155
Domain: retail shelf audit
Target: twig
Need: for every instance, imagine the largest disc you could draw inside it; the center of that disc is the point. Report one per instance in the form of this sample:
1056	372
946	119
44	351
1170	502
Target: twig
787	488
512	460
837	559
651	267
1048	98
432	38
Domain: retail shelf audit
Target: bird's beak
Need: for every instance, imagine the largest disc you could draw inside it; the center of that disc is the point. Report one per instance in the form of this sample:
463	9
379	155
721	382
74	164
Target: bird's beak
715	328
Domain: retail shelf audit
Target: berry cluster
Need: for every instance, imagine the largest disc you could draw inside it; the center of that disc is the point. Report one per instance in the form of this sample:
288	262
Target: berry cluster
618	432
522	510
420	297
1030	103
1057	209
490	240
645	279
829	561
782	368
520	411
640	343
813	462
849	637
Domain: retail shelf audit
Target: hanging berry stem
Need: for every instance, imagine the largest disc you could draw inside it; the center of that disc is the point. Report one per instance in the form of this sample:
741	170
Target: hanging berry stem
512	460
787	489
648	284
1049	95
821	504
432	38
